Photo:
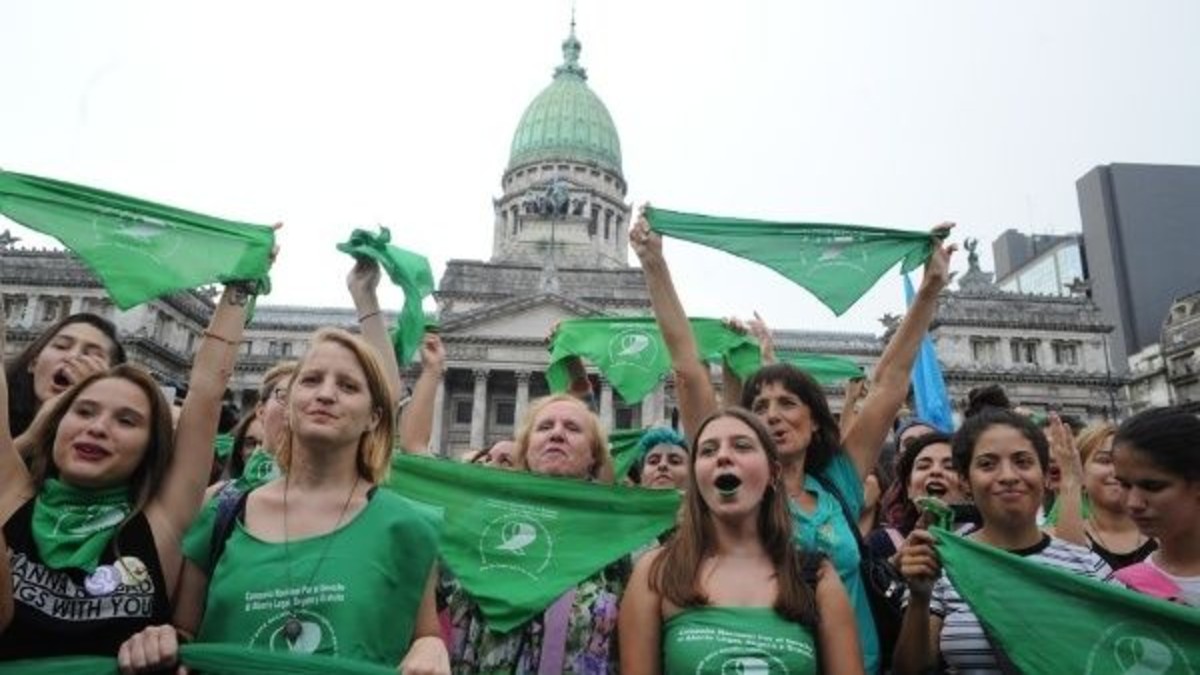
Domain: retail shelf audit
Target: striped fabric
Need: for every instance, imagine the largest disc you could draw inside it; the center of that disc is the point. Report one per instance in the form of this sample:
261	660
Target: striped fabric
964	646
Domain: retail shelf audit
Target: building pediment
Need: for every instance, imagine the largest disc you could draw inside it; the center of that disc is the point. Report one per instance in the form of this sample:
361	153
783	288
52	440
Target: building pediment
528	317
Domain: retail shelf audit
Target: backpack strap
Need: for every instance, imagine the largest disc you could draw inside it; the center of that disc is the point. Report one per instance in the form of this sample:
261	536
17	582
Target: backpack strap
231	503
1148	579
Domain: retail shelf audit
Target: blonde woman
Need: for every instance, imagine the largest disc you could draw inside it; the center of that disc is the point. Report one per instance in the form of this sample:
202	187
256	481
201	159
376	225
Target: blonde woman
319	560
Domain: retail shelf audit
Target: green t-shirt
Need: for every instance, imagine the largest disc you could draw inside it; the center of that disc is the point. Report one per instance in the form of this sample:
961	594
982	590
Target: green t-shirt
721	640
197	541
362	601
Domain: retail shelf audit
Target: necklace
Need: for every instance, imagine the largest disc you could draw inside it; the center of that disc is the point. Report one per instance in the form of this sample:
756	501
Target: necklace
292	628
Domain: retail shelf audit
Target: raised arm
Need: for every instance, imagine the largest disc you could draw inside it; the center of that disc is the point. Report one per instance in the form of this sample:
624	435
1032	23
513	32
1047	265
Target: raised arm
173	507
362	281
693	388
1070	525
416	420
15	484
863	440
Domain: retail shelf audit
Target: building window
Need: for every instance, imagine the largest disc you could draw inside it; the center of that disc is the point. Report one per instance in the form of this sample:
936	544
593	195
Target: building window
279	348
1066	353
462	412
14	308
506	413
54	309
99	306
985	350
247	347
1025	351
191	342
626	417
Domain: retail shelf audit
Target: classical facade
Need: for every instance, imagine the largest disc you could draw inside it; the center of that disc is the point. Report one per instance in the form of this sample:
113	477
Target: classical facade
560	251
1045	350
1168	372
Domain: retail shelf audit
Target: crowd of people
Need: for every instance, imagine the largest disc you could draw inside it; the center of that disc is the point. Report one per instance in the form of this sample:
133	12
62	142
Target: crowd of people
124	538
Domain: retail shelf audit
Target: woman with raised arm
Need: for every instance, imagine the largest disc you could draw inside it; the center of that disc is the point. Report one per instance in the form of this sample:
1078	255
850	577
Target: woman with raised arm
94	525
352	564
63	354
416	418
1157	459
1002	460
558	437
823	470
729	591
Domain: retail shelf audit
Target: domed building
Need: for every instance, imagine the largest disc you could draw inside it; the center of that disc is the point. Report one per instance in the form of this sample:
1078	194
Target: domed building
559	251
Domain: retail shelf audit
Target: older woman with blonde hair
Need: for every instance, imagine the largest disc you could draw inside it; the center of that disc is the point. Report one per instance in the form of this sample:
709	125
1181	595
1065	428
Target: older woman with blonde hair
319	560
559	437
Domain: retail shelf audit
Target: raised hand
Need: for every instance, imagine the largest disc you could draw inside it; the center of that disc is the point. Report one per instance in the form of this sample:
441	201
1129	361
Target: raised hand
433	353
766	343
937	266
1063	450
646	243
363	278
919	563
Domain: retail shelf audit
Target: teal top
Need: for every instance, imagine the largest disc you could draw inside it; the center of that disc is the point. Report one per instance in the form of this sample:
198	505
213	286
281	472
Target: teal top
825	529
721	640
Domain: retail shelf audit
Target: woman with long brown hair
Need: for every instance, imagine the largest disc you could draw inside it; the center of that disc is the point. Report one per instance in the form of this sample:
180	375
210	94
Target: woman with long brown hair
93	526
729	592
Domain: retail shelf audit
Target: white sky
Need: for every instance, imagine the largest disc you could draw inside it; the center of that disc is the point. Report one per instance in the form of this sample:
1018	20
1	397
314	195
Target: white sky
335	115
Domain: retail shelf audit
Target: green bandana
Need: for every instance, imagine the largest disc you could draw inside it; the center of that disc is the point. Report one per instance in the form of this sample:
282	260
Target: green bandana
517	541
222	446
72	526
1093	627
260	469
837	263
631	353
140	250
407	270
623	447
824	368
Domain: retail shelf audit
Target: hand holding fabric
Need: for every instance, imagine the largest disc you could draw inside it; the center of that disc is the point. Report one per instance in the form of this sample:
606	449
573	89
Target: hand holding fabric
919	563
363	279
153	649
937	266
646	243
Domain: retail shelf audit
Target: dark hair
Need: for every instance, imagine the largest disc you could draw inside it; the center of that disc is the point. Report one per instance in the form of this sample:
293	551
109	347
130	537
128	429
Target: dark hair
899	509
826	439
148	477
1168	437
673	572
236	463
22	399
987	396
963	447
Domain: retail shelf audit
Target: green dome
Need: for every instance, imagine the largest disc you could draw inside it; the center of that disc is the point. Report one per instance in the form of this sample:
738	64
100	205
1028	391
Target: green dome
567	120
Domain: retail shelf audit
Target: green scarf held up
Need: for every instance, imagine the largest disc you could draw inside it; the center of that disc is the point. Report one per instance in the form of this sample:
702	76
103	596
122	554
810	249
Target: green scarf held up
140	250
826	369
73	526
836	263
1047	620
631	353
410	271
623	447
516	541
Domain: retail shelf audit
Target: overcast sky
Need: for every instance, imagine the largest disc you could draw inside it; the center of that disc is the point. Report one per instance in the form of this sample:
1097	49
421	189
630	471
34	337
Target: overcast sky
335	115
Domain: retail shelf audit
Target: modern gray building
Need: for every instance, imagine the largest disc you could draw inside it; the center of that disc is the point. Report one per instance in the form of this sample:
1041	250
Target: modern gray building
1038	264
1141	232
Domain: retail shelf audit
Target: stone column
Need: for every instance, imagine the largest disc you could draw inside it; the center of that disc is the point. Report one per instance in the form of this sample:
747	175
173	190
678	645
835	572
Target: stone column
479	409
652	406
606	403
522	397
439	406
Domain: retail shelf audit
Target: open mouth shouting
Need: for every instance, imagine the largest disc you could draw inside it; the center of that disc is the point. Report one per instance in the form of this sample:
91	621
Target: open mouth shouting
60	380
727	486
936	488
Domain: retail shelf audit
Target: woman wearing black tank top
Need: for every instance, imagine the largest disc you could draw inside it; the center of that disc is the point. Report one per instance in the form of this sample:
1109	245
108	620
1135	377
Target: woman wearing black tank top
93	525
